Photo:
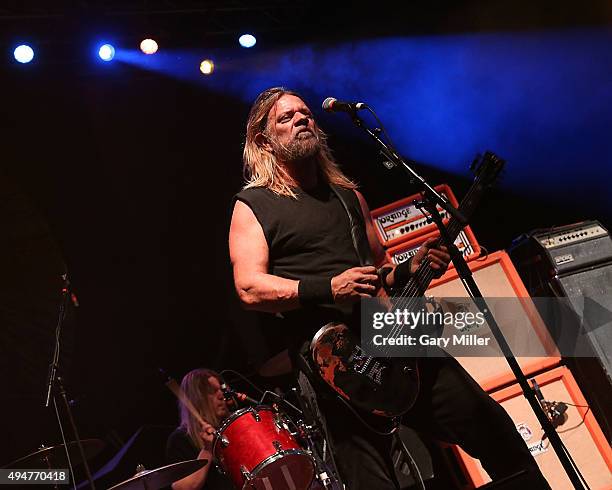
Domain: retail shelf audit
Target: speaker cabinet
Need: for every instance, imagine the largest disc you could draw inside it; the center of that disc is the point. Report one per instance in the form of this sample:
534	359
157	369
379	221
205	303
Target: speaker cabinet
465	242
401	220
596	283
497	278
579	432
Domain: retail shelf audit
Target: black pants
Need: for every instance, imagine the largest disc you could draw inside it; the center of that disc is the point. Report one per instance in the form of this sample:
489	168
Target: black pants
451	407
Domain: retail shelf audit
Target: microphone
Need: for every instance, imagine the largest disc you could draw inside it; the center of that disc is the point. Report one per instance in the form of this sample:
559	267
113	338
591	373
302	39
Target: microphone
334	105
234	396
555	411
245	398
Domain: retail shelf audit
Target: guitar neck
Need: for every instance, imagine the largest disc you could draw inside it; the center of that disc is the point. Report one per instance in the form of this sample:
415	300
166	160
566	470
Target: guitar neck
419	282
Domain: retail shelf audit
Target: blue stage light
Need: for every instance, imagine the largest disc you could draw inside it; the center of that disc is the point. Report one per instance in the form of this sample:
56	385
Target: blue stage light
247	40
23	53
106	52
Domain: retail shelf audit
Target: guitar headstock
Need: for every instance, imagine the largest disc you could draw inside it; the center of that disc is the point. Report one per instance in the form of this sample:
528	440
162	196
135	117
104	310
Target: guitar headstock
487	168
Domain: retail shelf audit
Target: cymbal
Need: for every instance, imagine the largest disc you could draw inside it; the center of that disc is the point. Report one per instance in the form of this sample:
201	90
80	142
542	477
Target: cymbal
55	456
278	365
160	477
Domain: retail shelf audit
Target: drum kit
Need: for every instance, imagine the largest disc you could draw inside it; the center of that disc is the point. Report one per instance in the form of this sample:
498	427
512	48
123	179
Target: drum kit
261	447
258	447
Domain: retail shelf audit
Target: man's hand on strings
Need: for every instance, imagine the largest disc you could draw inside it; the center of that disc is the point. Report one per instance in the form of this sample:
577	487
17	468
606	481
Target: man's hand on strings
435	255
354	284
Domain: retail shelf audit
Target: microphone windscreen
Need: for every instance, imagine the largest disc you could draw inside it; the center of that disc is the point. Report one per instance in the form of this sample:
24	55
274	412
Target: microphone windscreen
328	103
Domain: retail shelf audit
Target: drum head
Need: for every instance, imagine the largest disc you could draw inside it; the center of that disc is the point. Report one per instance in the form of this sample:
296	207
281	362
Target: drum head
293	470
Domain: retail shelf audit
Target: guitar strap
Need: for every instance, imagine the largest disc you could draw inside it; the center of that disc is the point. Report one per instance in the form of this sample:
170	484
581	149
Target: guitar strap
351	205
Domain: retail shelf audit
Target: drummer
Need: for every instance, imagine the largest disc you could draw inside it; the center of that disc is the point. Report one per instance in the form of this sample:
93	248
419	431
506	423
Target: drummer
193	440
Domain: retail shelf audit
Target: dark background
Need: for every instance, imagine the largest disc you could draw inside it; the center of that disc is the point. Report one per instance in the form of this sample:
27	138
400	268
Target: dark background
131	174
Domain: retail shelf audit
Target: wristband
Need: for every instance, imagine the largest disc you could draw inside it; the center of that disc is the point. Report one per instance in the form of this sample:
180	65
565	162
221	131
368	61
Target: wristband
382	274
402	273
315	291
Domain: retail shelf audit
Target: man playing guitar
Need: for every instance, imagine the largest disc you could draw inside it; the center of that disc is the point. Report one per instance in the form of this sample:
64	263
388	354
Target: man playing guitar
297	236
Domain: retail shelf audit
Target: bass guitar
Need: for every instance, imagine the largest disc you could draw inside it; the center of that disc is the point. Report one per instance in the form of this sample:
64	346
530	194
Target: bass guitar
388	386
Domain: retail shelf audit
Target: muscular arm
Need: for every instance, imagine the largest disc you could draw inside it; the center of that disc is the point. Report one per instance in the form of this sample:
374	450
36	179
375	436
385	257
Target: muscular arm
256	288
259	290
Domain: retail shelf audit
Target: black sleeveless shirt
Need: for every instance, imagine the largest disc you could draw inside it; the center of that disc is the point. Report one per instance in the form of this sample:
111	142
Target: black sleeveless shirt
309	237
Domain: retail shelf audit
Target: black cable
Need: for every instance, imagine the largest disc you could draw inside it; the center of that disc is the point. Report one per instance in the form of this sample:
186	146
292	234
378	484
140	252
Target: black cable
577	425
588	409
382	128
484	254
244	378
368	426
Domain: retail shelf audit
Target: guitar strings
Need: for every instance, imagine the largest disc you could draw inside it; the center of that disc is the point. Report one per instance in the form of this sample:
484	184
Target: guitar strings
417	286
418	283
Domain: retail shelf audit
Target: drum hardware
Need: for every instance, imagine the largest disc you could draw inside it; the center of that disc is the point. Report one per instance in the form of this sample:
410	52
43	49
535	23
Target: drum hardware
313	441
268	449
241	447
283	422
306	430
279	422
245	473
314	430
255	414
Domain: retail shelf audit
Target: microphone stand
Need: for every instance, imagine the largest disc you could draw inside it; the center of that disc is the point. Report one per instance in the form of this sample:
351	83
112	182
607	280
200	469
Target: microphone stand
394	160
55	386
431	199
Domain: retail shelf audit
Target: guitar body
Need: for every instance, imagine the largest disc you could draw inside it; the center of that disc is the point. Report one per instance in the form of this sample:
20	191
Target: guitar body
383	386
388	386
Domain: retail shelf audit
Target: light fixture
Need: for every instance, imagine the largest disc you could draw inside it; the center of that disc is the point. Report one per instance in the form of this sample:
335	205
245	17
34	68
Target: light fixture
207	67
23	53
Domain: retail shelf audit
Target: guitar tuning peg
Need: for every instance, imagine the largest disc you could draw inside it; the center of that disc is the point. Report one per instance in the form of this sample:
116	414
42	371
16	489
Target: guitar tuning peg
474	163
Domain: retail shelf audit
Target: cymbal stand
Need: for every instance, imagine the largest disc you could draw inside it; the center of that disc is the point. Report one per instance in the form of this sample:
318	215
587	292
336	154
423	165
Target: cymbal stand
55	387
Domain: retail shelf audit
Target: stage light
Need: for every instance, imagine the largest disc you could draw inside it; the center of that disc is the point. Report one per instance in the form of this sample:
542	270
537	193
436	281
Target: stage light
106	52
207	67
23	53
148	46
247	40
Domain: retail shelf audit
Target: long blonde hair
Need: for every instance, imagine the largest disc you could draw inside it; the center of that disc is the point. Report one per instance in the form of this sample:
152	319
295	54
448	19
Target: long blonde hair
196	387
260	166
